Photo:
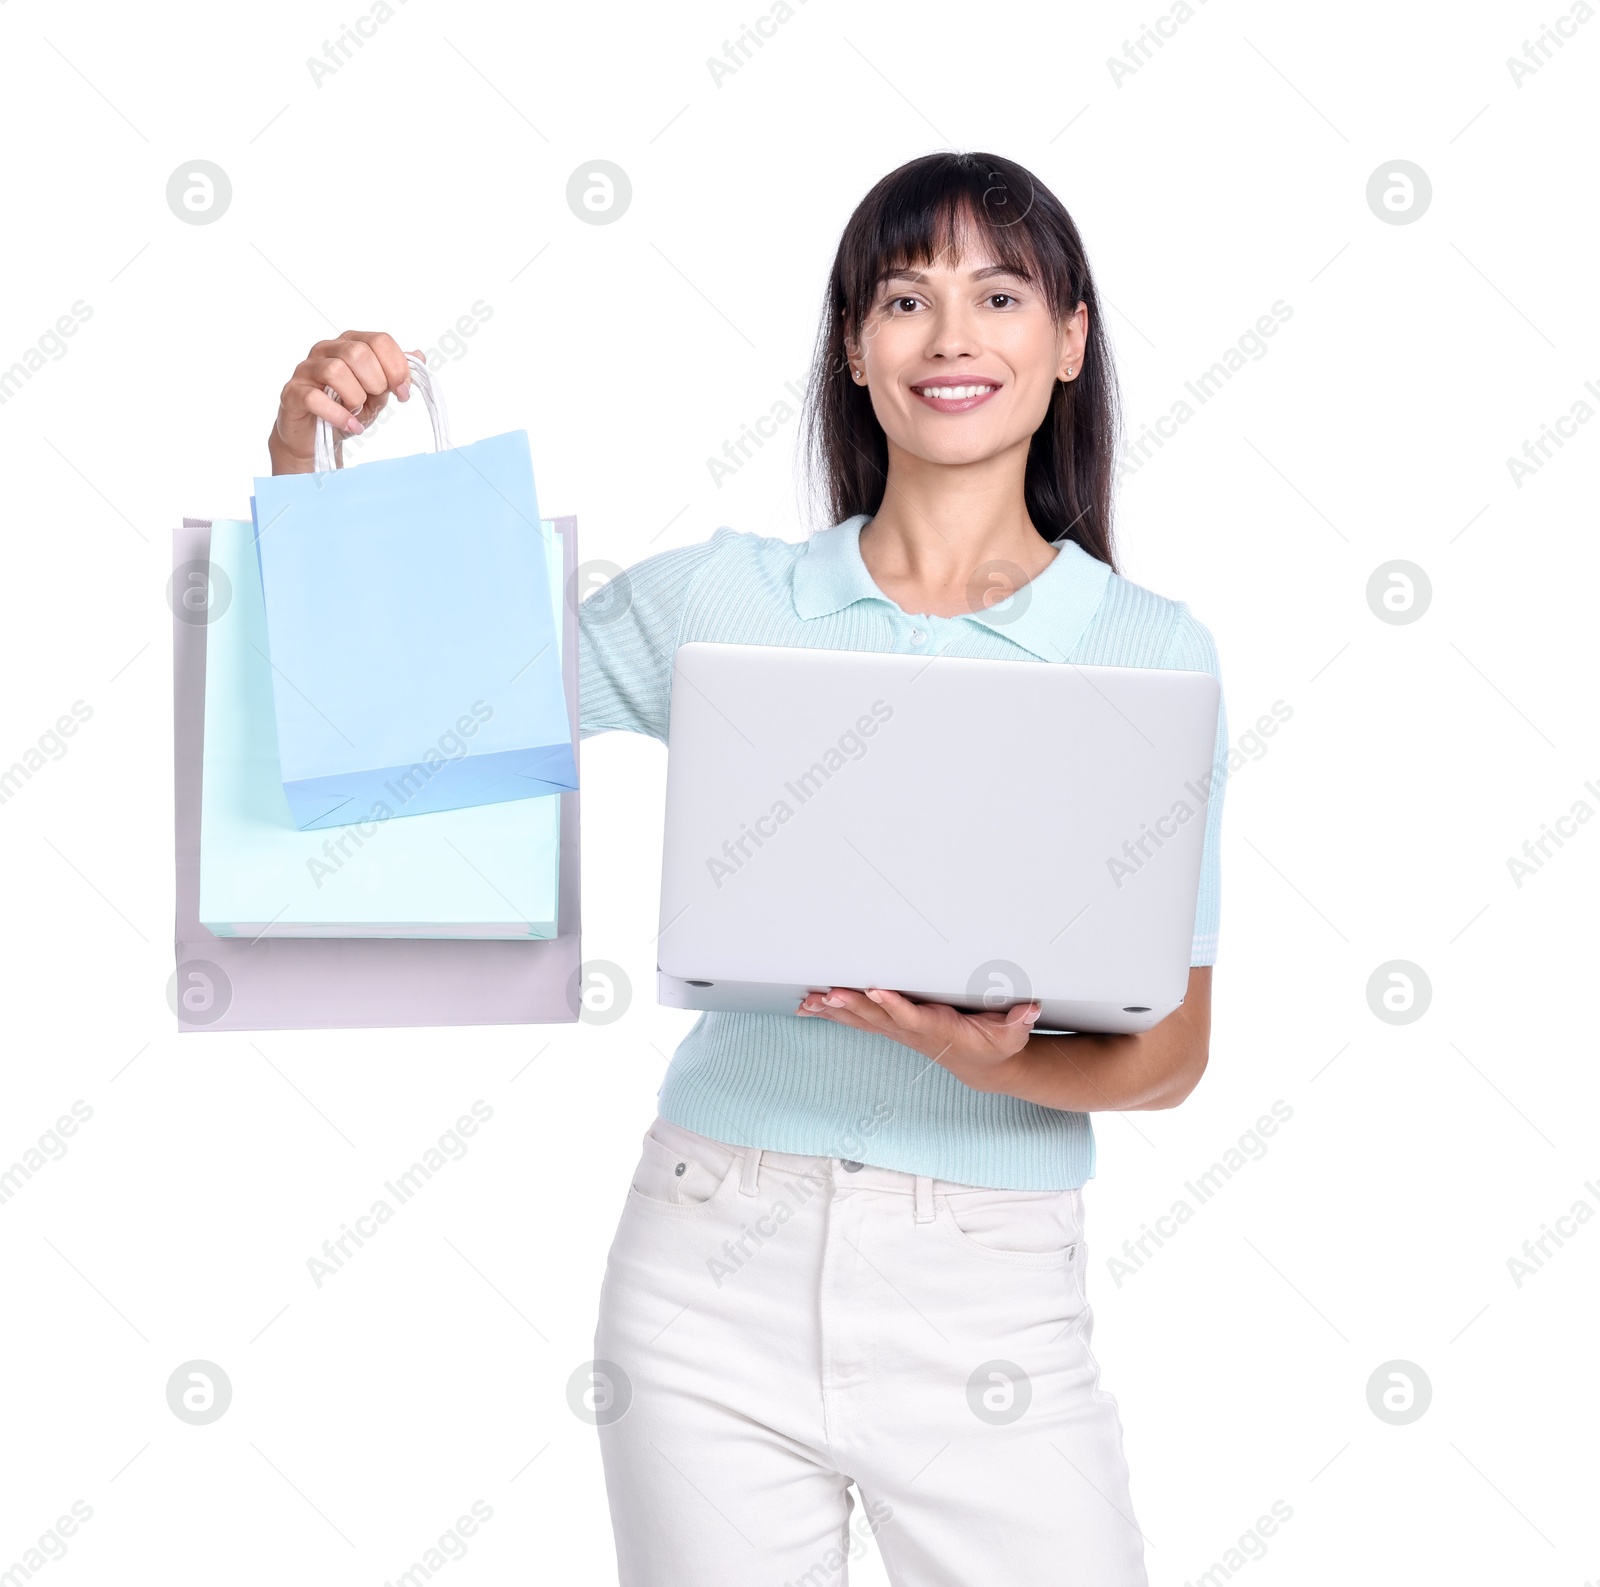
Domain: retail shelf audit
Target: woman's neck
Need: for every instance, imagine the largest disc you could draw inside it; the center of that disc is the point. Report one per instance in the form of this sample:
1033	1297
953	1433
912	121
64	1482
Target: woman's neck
949	539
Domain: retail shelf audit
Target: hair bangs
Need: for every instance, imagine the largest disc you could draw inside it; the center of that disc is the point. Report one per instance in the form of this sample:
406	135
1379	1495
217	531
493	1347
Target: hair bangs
961	208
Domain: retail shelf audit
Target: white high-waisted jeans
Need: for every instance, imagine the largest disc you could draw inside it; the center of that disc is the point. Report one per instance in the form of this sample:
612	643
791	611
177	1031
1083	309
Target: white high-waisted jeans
775	1327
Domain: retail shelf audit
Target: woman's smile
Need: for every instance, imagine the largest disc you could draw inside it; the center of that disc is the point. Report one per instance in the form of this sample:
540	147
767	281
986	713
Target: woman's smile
948	395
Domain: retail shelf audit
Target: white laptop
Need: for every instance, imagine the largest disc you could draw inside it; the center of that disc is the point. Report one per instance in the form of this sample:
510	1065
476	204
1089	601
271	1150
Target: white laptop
974	832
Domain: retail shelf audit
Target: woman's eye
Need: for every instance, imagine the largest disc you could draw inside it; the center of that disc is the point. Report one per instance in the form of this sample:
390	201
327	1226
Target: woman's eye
998	300
905	305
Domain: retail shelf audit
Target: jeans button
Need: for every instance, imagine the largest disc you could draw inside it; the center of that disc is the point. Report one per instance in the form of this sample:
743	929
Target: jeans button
850	1167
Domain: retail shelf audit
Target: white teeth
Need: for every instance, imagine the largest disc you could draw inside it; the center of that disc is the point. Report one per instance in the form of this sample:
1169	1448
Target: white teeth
956	393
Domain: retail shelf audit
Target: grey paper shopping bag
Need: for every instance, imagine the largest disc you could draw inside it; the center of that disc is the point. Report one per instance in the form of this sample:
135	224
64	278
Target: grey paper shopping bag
235	983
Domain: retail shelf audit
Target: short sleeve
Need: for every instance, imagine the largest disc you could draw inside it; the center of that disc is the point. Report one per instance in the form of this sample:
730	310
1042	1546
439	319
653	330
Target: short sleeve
1192	649
627	636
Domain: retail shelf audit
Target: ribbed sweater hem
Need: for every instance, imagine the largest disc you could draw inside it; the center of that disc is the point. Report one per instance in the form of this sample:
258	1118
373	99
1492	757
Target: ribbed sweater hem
817	1089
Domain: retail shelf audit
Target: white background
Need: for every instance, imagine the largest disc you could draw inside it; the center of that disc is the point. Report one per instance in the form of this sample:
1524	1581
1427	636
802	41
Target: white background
429	172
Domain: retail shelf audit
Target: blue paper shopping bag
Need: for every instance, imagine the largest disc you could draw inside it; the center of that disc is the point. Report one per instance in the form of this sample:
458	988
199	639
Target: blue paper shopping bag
415	665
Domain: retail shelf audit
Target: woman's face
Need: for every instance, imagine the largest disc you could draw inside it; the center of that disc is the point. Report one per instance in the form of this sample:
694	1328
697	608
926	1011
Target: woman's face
960	356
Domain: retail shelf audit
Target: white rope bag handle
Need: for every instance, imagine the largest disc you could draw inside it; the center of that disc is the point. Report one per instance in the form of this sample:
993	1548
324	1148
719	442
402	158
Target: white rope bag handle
324	457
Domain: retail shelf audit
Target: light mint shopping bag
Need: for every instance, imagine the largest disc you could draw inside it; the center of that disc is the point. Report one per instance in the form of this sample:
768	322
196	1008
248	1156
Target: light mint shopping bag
414	663
478	872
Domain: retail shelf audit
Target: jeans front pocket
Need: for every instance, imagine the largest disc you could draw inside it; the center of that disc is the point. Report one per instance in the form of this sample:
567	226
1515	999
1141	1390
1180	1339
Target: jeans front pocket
1024	1228
679	1170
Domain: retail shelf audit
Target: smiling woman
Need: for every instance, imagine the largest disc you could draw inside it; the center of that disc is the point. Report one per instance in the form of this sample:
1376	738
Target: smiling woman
954	273
918	1326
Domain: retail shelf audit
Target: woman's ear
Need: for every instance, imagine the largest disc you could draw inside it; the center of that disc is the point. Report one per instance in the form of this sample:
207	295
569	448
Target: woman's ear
855	360
1074	333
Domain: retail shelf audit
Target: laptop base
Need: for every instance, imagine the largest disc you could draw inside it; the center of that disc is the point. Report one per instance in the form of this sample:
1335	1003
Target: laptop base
1057	1016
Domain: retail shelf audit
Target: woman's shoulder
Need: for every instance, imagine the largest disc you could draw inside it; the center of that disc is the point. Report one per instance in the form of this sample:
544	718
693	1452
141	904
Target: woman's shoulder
727	554
660	587
725	546
1182	639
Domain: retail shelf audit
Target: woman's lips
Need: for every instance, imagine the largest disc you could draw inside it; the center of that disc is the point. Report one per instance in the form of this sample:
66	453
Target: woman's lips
955	396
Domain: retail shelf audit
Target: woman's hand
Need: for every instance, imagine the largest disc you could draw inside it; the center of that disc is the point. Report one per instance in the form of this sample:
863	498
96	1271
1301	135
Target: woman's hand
980	1050
363	367
1081	1073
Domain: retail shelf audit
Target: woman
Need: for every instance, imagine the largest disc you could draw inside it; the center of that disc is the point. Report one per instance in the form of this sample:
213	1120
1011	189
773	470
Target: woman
852	1249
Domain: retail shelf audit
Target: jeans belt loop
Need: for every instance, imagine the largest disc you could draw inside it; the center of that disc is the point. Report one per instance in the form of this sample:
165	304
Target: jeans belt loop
924	1198
750	1172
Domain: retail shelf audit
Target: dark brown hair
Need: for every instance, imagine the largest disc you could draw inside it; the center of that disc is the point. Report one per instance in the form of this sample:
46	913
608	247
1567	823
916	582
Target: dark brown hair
912	216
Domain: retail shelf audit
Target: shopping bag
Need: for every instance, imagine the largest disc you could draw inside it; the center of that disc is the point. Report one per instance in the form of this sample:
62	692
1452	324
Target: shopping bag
240	983
414	665
479	871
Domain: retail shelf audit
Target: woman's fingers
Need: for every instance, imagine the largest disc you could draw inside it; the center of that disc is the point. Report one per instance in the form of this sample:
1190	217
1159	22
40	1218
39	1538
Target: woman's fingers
373	358
895	1005
847	1007
300	404
860	1005
385	352
920	1019
362	367
335	374
321	406
305	400
934	1029
891	1014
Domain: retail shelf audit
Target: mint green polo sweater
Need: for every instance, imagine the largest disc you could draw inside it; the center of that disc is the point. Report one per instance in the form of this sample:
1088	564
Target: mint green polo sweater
811	1086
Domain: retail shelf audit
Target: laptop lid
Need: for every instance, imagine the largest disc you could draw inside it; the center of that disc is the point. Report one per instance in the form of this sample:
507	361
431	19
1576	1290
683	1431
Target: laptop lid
969	830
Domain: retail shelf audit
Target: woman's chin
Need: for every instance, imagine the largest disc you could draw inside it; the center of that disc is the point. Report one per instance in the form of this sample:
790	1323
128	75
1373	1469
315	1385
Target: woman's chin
954	450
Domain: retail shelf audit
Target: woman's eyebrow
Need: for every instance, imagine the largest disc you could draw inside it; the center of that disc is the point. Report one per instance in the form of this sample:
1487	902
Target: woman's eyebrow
987	273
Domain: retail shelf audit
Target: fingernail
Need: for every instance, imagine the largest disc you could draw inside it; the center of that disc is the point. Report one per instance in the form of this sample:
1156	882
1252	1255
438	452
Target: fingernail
834	1002
403	391
876	996
353	426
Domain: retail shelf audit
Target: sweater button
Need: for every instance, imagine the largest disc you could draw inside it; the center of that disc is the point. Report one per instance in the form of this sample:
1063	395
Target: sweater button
850	1167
